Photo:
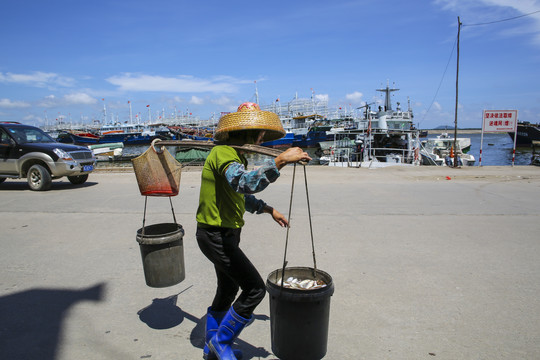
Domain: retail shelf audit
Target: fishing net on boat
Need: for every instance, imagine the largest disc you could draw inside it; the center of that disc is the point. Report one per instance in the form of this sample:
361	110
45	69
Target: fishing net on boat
157	172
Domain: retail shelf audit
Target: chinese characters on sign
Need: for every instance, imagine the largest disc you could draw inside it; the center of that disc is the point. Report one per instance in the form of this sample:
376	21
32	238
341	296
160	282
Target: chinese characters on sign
499	120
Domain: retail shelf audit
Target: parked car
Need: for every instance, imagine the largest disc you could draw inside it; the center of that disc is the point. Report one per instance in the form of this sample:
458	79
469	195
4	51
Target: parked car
28	152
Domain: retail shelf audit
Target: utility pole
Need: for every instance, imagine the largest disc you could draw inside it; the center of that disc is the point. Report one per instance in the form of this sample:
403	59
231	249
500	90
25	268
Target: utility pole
457	83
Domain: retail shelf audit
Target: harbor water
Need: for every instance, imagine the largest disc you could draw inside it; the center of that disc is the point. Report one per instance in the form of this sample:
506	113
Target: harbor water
497	151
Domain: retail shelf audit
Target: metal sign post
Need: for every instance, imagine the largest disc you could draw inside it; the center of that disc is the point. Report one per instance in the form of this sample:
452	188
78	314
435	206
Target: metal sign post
515	139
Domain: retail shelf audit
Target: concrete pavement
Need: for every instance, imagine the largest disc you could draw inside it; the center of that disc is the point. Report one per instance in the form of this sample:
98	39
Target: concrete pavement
424	267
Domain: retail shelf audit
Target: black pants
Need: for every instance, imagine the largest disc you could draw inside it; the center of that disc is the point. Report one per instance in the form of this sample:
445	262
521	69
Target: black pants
233	269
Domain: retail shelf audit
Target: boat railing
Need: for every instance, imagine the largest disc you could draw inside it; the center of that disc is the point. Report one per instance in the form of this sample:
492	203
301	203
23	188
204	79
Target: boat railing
402	155
426	151
349	156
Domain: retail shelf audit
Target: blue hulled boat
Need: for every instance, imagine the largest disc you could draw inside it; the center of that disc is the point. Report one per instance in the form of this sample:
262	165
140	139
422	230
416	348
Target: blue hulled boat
284	142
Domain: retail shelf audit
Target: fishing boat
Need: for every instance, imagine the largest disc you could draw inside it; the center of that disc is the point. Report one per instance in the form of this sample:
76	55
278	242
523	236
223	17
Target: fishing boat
304	119
78	137
284	142
441	152
107	151
308	130
128	134
192	132
526	133
464	143
386	137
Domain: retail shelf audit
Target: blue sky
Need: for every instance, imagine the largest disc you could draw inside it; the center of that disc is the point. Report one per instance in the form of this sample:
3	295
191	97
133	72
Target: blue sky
61	58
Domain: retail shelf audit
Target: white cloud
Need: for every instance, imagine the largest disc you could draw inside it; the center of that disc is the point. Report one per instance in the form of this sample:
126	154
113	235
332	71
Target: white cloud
196	100
321	97
182	83
31	118
7	103
437	106
376	100
47	101
79	98
223	101
37	79
354	97
485	11
524	6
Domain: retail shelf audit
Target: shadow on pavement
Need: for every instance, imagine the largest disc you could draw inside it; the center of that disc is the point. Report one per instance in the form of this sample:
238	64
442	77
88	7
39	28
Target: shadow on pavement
31	320
22	185
165	314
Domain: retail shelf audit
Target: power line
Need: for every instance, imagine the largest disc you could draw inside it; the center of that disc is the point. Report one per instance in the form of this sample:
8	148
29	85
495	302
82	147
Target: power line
450	57
498	21
440	83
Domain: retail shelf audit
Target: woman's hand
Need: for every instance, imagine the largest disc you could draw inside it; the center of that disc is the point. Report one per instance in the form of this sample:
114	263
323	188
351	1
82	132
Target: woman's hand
277	216
291	155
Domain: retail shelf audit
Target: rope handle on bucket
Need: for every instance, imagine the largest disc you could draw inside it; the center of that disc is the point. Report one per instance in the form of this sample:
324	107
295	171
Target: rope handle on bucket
144	214
288	227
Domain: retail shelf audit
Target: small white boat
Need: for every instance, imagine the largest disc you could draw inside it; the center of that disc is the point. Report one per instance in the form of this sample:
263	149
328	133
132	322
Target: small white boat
107	150
441	152
464	143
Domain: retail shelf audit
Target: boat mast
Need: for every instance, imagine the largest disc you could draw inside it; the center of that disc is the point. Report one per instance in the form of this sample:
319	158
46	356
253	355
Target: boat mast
256	93
456	109
387	102
130	114
104	112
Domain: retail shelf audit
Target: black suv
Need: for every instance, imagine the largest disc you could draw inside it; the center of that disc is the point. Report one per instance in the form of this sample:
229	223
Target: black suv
28	152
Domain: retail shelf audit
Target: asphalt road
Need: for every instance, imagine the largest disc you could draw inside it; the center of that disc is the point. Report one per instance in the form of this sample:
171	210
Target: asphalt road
428	263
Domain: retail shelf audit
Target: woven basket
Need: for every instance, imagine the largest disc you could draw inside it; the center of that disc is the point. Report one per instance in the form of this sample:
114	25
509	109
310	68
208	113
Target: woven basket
157	172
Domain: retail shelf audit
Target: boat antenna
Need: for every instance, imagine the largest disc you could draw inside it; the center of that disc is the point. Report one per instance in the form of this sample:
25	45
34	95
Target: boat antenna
367	107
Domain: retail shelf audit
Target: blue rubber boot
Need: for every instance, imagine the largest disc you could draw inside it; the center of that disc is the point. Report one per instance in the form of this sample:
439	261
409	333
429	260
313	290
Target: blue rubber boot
229	329
213	319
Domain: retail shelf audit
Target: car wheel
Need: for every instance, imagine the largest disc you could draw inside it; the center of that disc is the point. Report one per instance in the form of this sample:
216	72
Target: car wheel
39	178
78	179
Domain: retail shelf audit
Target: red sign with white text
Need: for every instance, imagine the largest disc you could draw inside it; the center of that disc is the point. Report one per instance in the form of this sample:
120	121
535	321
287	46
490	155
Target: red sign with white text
500	120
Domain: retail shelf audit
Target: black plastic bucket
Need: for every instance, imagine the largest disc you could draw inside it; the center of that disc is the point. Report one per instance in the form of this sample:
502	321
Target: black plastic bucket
299	318
162	252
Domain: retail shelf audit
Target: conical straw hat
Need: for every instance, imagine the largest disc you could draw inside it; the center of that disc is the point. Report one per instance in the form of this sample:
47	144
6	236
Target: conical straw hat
249	116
